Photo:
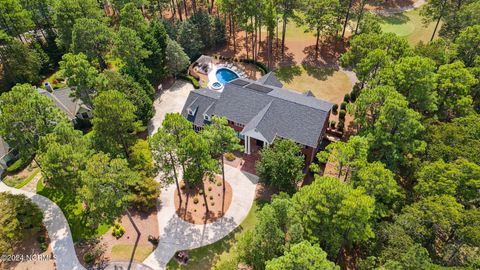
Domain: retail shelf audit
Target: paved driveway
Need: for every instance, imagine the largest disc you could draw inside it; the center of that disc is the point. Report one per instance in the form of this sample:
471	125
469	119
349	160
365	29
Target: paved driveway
177	234
170	100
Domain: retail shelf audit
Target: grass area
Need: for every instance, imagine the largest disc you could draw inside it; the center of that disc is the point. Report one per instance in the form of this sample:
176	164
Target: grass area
54	80
124	252
325	83
409	25
206	257
19	182
73	210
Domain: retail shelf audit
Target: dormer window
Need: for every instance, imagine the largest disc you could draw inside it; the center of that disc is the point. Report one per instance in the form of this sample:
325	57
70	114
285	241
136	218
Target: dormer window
206	117
190	112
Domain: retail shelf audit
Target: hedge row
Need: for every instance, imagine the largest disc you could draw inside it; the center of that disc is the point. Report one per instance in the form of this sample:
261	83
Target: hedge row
261	66
195	82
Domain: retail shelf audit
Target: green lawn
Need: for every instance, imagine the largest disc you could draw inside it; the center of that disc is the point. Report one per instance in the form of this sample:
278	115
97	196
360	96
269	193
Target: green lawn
124	252
19	182
206	257
409	25
73	211
325	83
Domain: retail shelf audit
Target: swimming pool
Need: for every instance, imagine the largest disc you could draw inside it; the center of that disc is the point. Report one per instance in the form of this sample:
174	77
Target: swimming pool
225	75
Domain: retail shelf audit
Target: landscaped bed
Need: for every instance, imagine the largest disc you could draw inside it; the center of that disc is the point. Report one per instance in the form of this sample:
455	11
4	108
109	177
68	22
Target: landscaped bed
21	179
111	248
194	212
30	245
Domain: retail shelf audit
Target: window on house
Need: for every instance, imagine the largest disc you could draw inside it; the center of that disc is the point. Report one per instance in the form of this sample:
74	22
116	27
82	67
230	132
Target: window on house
190	112
239	125
240	136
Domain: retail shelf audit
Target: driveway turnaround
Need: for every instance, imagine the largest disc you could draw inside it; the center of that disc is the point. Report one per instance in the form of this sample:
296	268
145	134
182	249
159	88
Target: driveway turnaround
171	100
177	234
57	227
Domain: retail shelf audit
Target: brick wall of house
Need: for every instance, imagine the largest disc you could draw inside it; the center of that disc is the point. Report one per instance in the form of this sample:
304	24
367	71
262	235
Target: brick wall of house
308	152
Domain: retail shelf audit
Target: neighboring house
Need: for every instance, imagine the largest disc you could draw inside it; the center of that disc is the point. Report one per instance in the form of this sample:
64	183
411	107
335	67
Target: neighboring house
72	106
261	111
7	155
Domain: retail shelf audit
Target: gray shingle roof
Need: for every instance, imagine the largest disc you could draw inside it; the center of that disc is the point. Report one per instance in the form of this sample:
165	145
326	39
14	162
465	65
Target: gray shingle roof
4	148
270	79
65	100
265	114
200	101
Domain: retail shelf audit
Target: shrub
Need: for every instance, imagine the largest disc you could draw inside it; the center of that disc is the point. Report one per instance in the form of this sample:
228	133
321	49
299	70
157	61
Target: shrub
195	200
191	79
343	106
219	183
230	156
17	165
182	185
88	257
342	114
209	188
211	197
341	126
42	243
332	124
354	94
335	109
261	66
346	98
200	192
118	230
213	203
141	157
146	191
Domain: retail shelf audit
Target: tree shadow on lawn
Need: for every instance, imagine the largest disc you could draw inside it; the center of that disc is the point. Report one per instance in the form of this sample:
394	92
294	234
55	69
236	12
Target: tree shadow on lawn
288	73
327	55
72	208
394	18
319	73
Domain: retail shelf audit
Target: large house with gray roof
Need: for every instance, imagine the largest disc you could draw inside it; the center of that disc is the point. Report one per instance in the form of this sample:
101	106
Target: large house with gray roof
261	111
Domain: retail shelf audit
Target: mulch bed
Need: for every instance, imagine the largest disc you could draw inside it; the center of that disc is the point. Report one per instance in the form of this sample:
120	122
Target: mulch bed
195	212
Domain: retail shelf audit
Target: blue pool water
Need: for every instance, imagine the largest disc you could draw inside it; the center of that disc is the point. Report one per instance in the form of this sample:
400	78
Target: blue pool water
225	75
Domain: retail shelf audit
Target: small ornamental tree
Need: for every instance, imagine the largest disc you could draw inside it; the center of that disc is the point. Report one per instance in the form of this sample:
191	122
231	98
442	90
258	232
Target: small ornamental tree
335	108
281	165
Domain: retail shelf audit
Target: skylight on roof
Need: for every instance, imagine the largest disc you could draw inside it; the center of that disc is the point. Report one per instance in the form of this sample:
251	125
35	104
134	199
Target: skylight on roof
259	88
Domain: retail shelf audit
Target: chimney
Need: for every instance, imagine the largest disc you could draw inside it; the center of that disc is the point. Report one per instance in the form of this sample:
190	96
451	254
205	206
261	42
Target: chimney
48	86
